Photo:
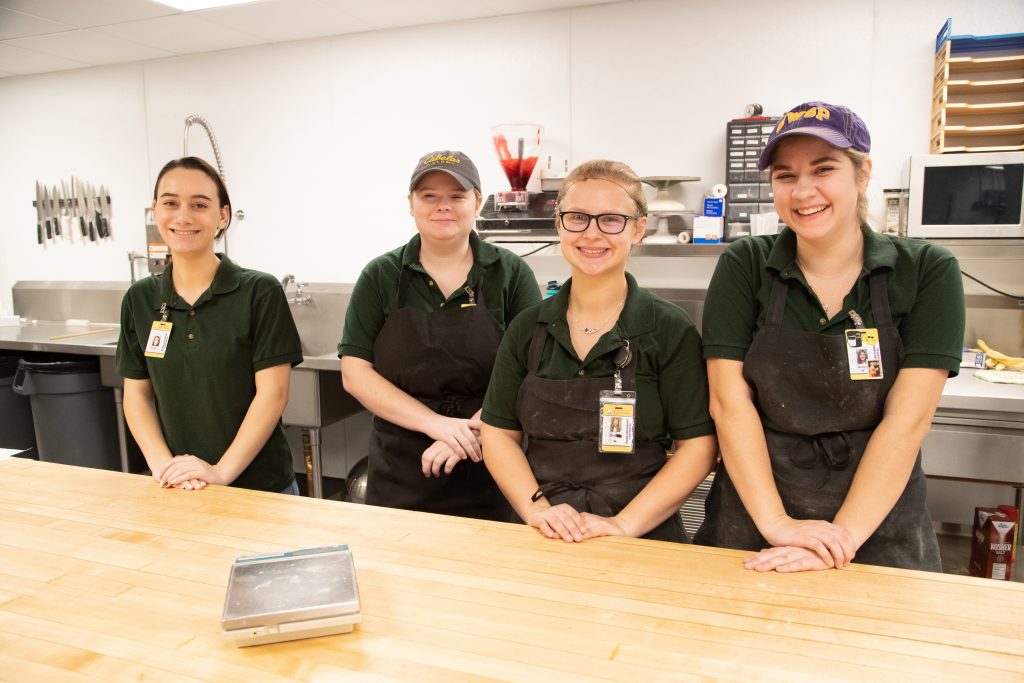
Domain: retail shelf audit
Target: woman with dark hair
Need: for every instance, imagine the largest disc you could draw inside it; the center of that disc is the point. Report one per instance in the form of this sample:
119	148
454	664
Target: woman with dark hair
821	455
206	349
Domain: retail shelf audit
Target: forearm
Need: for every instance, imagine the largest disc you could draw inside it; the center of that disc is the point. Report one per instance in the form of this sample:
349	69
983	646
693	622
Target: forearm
141	416
889	458
660	499
507	463
382	398
745	454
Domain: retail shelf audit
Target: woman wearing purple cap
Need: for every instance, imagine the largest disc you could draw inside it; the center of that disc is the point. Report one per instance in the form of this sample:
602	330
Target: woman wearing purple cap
421	332
821	455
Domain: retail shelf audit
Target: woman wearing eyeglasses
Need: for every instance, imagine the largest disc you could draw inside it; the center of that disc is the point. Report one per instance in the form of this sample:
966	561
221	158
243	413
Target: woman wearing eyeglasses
421	331
603	378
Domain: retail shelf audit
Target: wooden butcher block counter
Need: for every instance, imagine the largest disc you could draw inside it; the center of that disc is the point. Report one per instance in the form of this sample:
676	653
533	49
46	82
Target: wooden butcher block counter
105	576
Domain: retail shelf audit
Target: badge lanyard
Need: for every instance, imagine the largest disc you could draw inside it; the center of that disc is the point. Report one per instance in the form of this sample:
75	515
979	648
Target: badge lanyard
863	350
472	298
158	335
617	411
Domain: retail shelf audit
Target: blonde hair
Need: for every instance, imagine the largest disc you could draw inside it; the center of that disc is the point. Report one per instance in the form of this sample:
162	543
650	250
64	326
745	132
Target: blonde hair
612	171
857	158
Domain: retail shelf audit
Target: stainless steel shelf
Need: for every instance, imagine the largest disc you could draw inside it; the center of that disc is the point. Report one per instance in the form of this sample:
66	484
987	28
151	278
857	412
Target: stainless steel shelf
678	249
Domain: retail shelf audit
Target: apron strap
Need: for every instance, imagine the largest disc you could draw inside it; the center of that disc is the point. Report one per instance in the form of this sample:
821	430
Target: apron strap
776	302
403	286
880	298
540	335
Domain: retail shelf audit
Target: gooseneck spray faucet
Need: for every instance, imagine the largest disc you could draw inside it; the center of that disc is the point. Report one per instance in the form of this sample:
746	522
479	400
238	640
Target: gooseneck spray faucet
197	118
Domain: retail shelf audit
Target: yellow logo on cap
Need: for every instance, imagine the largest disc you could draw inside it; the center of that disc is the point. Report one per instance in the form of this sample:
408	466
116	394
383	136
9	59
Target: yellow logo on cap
820	113
441	159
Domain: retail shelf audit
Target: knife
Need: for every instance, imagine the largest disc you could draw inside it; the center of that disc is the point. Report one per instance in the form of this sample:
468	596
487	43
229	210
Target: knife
65	211
46	213
105	209
76	186
90	211
55	204
39	212
97	216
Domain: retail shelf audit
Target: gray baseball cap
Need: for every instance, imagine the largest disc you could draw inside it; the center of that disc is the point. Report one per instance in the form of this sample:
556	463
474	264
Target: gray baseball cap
454	163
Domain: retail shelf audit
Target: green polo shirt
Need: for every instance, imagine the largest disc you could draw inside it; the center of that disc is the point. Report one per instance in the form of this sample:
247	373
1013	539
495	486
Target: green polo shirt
671	381
509	286
206	381
926	295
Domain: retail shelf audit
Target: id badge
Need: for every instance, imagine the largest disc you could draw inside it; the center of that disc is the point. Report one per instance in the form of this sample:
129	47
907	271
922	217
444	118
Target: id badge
158	336
864	353
617	422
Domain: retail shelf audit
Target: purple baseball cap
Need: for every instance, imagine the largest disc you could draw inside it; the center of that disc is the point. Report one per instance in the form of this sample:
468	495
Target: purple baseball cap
833	123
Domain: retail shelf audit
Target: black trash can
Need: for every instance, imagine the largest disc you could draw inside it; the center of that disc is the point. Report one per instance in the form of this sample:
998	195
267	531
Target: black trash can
74	414
16	430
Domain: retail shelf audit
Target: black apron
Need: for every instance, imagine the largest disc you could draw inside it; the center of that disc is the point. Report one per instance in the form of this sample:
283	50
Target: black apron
817	423
444	360
560	420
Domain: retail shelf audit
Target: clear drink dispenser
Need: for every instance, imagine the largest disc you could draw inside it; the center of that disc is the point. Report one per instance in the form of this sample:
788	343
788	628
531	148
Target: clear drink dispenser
518	148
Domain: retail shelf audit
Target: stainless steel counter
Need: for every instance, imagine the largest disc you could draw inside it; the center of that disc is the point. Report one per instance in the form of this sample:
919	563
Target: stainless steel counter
963	392
976	433
966	392
39	336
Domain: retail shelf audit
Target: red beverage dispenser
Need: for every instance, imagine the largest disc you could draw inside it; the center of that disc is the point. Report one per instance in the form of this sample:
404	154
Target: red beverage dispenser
518	147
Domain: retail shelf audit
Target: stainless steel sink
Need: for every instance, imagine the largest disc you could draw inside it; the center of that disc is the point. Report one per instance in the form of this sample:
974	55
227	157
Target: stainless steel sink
320	321
315	396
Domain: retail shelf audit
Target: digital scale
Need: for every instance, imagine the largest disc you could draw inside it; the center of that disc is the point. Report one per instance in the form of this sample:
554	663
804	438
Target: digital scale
291	595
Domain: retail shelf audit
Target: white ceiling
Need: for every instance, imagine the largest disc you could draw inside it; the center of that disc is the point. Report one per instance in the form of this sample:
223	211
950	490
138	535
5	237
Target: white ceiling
37	36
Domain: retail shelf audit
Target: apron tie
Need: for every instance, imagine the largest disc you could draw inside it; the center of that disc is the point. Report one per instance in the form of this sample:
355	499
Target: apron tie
831	448
450	406
555	488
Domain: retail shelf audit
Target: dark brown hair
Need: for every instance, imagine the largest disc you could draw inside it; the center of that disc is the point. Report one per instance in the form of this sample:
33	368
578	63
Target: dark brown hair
197	164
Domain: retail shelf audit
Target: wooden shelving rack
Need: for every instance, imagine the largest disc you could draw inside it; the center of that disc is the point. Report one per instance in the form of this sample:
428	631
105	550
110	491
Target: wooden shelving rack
978	93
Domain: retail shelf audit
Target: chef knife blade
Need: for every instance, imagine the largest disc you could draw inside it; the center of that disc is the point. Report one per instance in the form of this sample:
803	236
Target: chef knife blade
90	211
76	184
65	212
46	213
105	209
55	203
39	212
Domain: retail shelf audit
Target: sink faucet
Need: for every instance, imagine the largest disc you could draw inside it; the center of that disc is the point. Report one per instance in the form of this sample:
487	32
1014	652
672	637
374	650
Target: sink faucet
132	258
300	298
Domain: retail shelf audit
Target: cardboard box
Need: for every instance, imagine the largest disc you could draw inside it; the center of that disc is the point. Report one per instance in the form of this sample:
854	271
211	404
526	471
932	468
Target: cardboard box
994	542
707	230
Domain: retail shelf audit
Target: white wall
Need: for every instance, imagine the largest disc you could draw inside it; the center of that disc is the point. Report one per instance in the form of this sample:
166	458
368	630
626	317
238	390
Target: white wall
319	136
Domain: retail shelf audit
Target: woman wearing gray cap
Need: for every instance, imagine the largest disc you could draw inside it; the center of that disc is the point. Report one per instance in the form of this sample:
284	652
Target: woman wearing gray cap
821	451
421	333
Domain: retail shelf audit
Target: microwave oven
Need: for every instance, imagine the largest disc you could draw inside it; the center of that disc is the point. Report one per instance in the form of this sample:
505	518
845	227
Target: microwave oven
970	195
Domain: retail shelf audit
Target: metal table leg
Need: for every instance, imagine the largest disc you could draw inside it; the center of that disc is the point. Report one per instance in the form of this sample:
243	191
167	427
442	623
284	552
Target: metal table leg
122	435
311	452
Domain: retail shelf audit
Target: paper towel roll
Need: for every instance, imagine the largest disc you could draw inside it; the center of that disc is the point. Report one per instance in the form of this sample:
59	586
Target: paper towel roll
684	237
718	190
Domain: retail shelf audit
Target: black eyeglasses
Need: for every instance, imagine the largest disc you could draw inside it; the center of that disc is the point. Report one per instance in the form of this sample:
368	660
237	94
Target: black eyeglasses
608	223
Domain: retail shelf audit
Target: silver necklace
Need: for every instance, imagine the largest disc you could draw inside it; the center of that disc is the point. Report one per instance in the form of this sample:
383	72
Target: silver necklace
594	330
